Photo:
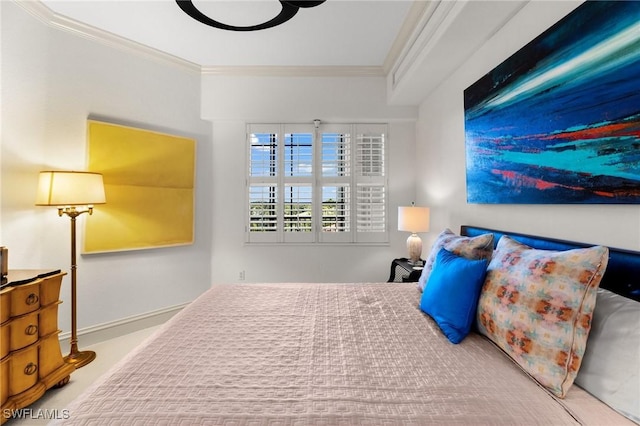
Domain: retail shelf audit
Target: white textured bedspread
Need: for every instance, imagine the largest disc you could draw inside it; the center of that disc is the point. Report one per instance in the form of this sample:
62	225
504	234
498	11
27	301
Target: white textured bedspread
318	354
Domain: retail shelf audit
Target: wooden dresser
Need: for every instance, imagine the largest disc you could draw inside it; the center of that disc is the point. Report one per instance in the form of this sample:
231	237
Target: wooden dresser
30	358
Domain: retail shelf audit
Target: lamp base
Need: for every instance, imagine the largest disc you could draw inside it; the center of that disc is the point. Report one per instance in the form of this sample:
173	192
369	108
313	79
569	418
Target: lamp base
80	359
414	246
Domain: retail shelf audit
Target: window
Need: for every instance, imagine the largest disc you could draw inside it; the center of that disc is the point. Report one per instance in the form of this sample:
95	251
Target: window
322	185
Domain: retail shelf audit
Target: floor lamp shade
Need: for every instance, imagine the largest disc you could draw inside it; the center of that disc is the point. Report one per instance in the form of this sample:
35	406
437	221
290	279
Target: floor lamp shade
62	188
73	193
413	219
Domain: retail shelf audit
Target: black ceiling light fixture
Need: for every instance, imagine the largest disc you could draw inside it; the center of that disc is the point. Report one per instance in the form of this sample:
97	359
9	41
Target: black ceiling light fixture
289	9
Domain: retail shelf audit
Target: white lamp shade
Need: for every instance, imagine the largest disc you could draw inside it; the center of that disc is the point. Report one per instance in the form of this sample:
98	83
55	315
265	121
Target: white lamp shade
413	219
61	188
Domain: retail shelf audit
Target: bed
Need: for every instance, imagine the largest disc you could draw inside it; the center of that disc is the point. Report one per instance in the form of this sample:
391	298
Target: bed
335	354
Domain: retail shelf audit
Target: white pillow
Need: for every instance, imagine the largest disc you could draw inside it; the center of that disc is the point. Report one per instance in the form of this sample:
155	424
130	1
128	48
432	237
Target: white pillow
610	369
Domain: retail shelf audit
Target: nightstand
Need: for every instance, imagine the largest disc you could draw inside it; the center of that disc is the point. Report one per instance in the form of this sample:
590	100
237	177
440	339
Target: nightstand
403	271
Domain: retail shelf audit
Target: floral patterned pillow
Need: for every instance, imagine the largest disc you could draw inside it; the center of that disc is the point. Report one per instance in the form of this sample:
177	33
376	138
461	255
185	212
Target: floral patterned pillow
472	248
537	306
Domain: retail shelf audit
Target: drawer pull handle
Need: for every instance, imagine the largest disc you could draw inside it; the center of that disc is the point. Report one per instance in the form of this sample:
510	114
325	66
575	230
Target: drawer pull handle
32	299
30	369
31	330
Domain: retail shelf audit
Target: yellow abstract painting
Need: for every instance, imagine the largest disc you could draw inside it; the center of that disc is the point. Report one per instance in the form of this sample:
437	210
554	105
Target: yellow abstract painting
149	182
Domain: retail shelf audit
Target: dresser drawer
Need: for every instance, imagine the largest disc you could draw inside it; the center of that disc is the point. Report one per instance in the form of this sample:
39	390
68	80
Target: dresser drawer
25	298
50	289
23	369
4	380
50	355
48	321
5	304
23	331
4	340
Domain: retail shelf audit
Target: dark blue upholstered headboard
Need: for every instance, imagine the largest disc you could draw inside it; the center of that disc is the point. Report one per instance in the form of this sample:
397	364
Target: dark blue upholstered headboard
622	275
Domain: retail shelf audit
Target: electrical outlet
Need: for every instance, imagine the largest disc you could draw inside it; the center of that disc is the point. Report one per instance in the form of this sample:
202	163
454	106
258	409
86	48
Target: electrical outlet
241	276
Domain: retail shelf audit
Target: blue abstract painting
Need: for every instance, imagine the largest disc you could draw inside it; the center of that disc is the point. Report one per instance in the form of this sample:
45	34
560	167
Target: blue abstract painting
559	121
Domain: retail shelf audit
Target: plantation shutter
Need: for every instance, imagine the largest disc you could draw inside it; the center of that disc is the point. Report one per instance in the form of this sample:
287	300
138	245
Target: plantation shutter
322	184
264	221
371	221
298	170
336	182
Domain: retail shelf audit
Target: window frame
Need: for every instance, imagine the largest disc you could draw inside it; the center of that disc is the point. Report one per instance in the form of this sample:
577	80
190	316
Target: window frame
318	181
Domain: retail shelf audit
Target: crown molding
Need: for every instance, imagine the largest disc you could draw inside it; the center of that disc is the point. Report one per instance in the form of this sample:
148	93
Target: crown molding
411	22
433	21
40	11
294	71
37	9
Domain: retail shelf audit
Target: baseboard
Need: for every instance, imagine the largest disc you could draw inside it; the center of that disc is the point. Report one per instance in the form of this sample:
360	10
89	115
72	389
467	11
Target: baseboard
101	332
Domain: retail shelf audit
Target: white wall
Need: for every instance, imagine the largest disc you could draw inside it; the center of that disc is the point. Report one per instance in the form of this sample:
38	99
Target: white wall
52	81
231	102
440	148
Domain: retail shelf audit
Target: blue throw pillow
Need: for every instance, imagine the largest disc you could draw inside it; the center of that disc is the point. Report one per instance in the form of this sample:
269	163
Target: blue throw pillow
452	293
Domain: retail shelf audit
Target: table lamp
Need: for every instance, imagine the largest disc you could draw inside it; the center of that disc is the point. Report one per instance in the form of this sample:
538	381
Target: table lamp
413	219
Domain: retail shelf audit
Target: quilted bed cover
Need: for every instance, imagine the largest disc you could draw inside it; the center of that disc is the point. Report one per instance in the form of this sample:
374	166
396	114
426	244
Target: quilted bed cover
320	354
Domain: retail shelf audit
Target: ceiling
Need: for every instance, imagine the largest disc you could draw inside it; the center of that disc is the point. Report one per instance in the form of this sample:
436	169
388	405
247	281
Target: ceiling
335	33
414	44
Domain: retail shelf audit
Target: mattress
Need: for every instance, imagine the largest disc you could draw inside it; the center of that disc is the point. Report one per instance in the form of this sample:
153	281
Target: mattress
320	354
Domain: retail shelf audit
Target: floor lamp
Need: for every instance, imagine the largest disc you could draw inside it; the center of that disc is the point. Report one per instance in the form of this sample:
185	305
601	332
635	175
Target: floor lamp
73	193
